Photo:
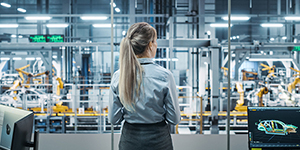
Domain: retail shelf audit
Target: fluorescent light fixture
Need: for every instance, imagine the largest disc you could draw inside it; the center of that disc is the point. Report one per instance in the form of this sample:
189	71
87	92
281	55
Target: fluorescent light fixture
17	58
270	59
30	58
292	18
93	18
247	57
9	25
271	52
38	18
38	58
271	25
13	36
237	18
57	25
54	57
102	25
284	38
4	58
123	33
220	25
20	36
114	4
165	59
117	9
21	10
272	39
5	5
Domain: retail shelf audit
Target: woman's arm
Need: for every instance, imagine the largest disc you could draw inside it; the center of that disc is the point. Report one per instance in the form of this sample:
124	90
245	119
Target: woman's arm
115	107
171	102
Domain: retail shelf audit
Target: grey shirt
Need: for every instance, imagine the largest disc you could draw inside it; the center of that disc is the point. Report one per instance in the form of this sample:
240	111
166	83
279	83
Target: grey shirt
158	102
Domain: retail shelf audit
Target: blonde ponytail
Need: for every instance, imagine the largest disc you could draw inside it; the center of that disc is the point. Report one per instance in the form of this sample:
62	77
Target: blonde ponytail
131	72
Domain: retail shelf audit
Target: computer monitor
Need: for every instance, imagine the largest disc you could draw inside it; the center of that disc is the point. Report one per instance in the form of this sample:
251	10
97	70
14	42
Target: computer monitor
274	127
16	128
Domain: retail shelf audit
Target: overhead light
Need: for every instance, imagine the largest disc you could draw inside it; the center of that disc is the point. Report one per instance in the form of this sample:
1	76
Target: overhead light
236	18
271	25
38	58
93	18
57	25
123	33
220	25
117	9
237	37
9	25
234	37
17	58
208	32
292	18
271	52
284	38
5	5
13	36
102	25
54	57
272	39
165	59
4	58
247	57
270	59
38	18
30	58
20	36
114	4
21	10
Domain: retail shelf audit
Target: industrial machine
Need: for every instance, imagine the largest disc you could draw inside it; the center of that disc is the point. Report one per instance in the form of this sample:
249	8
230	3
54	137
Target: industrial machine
249	75
271	70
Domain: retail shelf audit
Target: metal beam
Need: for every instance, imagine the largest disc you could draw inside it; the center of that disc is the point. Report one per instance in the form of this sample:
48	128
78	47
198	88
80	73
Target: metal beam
132	11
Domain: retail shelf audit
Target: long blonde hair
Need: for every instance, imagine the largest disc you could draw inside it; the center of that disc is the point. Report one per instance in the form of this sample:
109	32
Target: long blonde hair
139	35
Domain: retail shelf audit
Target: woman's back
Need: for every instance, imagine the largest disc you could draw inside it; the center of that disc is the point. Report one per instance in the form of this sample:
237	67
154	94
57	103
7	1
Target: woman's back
157	96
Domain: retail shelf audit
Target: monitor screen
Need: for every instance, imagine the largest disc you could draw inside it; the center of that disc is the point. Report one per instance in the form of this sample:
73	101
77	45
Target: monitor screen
10	120
274	127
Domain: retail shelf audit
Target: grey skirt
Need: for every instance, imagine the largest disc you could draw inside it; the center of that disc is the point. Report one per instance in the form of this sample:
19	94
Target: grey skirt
146	137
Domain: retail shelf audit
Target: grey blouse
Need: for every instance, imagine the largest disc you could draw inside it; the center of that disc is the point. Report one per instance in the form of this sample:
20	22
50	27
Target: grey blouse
158	102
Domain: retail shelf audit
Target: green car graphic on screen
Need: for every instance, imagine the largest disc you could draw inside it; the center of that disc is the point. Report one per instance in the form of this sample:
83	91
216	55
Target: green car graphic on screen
276	127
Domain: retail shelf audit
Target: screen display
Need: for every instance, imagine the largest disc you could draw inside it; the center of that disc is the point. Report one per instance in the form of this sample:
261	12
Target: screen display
37	38
276	127
55	38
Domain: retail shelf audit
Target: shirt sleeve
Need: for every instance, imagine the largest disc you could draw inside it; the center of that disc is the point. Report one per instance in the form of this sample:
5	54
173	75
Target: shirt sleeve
115	107
171	102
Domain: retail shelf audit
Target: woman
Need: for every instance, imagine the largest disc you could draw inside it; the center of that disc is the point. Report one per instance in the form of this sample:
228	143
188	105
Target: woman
143	93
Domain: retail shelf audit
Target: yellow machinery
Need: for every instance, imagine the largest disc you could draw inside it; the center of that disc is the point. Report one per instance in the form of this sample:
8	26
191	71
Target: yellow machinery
263	91
225	70
292	85
29	75
239	106
298	72
246	78
271	70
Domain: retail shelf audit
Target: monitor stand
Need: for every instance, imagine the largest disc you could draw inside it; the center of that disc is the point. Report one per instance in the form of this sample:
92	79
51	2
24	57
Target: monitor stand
35	143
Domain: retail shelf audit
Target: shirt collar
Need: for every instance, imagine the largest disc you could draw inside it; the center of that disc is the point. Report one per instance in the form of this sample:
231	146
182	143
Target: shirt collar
145	60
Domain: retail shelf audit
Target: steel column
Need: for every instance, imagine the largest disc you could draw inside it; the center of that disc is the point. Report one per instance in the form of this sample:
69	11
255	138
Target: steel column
201	11
131	11
214	82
